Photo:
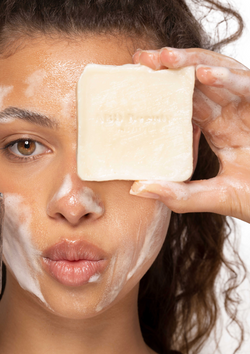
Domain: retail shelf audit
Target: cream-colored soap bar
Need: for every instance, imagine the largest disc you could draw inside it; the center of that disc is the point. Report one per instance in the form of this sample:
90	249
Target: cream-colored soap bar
134	123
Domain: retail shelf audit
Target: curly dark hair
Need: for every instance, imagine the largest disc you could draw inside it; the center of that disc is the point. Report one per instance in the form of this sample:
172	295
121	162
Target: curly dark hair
177	303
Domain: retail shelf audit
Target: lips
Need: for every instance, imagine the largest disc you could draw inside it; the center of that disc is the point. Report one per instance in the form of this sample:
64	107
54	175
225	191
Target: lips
74	263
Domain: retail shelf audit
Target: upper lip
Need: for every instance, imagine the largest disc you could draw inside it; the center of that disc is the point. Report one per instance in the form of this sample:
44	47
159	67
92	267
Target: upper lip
74	250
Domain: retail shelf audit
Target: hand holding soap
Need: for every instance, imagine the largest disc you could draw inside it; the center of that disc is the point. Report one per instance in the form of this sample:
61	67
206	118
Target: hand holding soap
134	123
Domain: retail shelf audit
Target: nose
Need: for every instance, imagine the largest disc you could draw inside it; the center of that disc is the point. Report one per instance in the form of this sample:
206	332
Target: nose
74	202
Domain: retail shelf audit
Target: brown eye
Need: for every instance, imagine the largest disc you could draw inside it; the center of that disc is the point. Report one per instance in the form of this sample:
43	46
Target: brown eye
26	147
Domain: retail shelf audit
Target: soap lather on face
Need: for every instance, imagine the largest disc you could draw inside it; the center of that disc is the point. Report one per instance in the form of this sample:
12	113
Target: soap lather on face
57	207
19	253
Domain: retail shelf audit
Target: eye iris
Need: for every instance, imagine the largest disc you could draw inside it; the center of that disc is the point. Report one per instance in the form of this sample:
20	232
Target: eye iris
26	147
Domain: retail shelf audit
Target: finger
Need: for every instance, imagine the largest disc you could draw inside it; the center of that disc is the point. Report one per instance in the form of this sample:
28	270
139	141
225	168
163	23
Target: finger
204	109
235	81
177	58
204	74
150	58
183	197
220	96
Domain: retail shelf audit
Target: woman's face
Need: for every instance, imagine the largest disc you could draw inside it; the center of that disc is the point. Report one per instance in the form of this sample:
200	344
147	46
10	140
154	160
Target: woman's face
56	224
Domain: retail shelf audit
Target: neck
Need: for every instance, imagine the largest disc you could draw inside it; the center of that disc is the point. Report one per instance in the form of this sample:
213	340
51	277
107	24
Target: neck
26	327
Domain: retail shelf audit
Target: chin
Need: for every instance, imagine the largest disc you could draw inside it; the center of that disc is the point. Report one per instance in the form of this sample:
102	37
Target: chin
86	301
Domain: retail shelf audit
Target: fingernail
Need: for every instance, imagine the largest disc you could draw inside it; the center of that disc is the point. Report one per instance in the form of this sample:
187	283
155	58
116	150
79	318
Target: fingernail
138	51
214	75
140	190
152	54
136	56
172	56
151	58
170	49
151	51
217	71
145	194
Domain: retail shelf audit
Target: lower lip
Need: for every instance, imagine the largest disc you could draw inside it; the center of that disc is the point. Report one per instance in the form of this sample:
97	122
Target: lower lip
73	273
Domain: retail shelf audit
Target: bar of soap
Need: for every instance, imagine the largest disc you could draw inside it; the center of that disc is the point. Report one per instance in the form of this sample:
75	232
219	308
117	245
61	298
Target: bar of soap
134	123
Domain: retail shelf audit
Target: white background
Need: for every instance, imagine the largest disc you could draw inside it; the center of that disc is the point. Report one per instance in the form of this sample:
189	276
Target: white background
241	52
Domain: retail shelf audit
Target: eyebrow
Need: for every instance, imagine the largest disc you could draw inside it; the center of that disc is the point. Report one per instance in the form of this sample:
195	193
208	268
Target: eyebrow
28	116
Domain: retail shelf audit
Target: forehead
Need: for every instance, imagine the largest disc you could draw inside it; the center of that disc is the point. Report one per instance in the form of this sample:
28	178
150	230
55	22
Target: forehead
45	71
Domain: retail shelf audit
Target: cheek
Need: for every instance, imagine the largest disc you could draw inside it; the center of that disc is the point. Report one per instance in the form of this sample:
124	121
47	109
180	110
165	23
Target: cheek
136	255
149	244
18	253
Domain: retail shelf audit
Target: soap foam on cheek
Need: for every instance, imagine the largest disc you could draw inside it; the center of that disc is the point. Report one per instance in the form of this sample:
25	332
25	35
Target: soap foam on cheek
19	253
87	198
4	91
153	239
118	270
135	254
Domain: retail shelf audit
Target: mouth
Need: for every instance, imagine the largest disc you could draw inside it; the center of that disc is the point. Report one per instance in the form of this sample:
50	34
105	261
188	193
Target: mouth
74	263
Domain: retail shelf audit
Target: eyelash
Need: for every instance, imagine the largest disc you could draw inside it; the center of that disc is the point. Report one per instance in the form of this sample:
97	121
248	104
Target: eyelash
19	158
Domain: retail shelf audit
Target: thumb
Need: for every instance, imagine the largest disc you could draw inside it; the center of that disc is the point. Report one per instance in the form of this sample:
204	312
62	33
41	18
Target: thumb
186	197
